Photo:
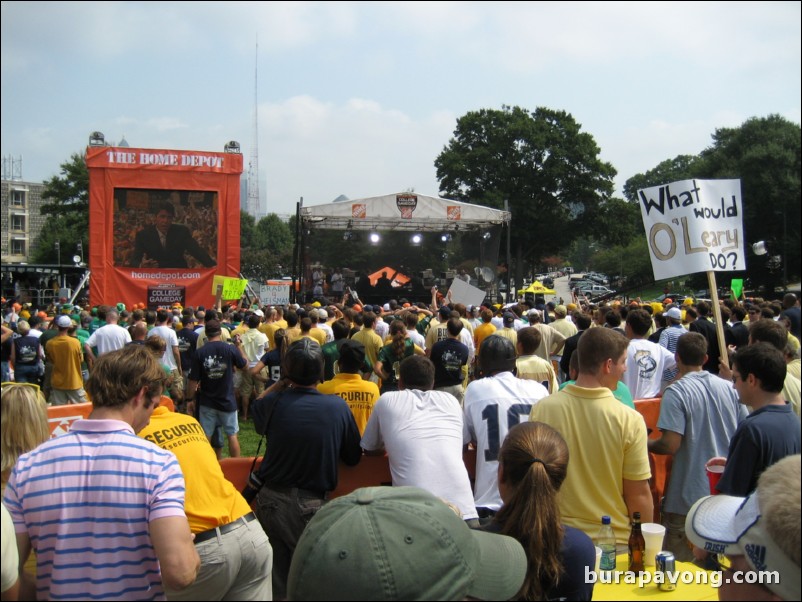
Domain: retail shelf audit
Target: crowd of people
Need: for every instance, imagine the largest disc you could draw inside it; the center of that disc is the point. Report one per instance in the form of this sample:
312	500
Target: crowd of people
132	502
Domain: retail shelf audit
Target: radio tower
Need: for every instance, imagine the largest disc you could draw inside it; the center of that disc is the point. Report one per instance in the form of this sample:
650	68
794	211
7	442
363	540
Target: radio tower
254	207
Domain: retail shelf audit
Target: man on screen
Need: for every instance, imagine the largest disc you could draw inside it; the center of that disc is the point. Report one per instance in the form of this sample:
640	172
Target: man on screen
164	244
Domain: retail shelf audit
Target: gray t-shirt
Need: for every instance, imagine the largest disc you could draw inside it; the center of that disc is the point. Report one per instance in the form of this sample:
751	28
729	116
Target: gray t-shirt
705	410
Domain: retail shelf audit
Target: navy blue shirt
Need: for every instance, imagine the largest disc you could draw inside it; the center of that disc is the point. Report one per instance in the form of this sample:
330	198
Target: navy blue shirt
272	361
213	366
309	433
578	552
187	343
449	356
26	350
764	437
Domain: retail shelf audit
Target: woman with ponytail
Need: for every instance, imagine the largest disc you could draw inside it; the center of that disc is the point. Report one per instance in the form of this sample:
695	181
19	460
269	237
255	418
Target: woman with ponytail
533	462
396	349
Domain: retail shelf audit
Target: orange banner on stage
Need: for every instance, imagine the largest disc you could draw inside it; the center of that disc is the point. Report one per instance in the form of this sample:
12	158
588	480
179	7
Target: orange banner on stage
159	218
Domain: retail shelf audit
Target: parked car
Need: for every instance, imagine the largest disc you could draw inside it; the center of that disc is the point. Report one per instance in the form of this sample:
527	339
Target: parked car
596	290
675	297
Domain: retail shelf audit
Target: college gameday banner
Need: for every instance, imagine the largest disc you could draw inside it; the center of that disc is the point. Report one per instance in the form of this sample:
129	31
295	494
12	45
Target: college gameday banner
162	223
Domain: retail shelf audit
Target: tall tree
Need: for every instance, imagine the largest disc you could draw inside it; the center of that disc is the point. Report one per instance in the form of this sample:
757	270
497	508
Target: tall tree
68	192
273	235
766	154
681	167
541	162
66	206
247	226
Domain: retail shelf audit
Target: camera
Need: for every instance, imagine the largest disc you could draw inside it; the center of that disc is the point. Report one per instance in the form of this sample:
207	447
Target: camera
254	485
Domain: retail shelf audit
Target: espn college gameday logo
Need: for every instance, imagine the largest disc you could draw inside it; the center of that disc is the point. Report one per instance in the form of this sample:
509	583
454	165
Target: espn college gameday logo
406	204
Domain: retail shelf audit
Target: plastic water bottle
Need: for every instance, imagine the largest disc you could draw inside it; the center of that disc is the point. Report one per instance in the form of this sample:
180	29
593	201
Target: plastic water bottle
606	541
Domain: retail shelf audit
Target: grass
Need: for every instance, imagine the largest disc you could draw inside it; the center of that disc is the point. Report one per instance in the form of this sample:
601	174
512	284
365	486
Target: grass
248	440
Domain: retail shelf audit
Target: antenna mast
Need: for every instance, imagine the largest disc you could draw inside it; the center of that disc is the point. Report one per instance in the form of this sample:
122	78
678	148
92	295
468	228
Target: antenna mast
254	205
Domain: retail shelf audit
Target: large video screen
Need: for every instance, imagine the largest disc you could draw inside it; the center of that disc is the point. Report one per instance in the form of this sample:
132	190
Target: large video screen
165	228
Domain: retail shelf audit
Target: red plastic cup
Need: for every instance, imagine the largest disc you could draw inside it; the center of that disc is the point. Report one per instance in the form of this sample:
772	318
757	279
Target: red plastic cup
713	476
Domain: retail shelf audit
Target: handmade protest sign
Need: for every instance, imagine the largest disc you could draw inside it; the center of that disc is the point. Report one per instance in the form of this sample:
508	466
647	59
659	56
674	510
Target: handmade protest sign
693	226
232	287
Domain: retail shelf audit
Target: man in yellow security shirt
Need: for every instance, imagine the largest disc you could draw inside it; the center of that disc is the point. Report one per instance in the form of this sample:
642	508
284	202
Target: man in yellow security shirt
236	556
359	394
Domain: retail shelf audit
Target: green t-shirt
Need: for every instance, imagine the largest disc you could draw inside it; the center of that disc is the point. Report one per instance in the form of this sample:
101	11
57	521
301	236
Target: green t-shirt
622	393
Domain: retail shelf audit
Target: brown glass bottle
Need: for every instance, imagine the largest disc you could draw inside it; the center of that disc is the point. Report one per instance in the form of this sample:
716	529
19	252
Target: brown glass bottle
637	545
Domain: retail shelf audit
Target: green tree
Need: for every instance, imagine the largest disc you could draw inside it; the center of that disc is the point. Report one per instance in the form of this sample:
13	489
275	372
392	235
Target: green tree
273	234
66	206
681	167
766	154
630	262
266	246
247	226
541	162
618	223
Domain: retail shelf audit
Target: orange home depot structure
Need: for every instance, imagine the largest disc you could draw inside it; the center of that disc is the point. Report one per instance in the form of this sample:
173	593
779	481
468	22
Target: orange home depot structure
126	188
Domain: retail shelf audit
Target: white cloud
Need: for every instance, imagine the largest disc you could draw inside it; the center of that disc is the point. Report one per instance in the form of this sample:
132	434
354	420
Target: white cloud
363	148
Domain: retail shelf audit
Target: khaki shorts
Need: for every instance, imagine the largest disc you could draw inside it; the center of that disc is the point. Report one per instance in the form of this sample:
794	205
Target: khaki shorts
61	397
250	384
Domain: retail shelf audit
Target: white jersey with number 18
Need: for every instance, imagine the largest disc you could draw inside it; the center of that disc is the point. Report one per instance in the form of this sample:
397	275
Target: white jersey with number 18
493	405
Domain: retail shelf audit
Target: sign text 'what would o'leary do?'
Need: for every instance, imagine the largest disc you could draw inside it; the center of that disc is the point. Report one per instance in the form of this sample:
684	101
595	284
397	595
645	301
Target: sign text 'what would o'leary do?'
693	226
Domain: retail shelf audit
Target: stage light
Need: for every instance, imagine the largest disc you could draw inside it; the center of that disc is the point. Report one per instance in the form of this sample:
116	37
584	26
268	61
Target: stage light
486	235
416	239
232	147
375	238
97	139
445	237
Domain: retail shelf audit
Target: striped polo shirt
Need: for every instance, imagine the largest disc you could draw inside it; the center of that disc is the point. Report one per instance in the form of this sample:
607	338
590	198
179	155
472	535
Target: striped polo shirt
85	499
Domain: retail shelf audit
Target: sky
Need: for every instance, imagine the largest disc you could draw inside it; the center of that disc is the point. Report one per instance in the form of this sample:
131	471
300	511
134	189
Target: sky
359	98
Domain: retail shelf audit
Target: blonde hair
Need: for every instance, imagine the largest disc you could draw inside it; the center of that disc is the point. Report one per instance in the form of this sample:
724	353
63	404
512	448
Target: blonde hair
23	411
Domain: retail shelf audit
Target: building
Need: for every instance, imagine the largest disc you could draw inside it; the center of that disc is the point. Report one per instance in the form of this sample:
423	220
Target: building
21	220
20	225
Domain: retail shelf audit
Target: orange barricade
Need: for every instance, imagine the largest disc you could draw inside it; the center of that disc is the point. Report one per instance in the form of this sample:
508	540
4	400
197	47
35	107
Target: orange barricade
371	471
237	470
59	418
660	464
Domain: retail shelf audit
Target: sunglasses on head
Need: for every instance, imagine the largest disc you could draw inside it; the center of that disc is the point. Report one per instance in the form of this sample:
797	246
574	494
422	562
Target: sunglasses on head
13	384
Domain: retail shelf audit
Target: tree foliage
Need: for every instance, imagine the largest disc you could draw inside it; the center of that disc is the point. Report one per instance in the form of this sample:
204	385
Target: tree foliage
66	206
681	167
765	154
69	191
629	261
68	230
541	162
266	246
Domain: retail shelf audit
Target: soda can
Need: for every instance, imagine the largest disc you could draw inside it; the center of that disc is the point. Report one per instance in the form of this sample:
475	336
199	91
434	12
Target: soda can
665	563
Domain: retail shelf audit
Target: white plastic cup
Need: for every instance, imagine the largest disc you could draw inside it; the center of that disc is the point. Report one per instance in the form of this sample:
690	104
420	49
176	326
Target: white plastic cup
653	535
598	558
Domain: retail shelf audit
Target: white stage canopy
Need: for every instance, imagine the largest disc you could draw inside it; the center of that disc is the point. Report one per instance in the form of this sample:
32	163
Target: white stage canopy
408	211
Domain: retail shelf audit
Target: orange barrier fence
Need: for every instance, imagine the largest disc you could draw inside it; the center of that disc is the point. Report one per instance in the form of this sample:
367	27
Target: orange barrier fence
59	418
372	471
660	464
